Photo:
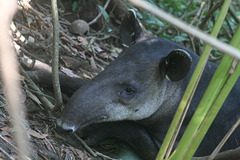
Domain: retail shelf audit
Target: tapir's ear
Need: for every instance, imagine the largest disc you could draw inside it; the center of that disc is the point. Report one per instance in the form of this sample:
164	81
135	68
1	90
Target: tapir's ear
130	29
176	65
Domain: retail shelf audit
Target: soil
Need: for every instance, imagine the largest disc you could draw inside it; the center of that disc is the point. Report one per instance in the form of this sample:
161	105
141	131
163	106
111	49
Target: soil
80	56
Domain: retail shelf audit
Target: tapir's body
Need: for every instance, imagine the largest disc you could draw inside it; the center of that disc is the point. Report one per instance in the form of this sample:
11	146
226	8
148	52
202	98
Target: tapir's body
135	98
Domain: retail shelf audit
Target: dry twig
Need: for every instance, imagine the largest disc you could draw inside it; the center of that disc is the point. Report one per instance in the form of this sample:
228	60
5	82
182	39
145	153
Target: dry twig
55	56
40	95
218	148
85	145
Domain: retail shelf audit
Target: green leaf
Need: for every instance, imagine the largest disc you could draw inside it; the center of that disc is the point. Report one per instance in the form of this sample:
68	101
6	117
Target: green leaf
105	14
154	20
179	38
74	6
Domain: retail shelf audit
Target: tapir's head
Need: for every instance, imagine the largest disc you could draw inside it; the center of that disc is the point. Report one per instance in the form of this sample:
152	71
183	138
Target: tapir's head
134	86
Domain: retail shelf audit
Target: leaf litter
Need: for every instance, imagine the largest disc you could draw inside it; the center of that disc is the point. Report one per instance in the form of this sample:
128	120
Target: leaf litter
32	36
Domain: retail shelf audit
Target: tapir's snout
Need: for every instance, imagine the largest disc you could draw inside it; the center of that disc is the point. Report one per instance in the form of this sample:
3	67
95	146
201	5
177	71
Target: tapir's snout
64	128
73	119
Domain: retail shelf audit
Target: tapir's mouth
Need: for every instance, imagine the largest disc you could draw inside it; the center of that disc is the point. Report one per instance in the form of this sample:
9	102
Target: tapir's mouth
67	128
90	121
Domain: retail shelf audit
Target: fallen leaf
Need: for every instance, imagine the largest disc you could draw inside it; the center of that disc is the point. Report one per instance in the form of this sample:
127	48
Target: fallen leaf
103	55
114	54
40	23
7	129
80	154
36	134
83	40
5	133
34	98
69	72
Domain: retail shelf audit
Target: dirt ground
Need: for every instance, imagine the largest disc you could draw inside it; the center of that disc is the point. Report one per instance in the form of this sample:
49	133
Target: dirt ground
80	56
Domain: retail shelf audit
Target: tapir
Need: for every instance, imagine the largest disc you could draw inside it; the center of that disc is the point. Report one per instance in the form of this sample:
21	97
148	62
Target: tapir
135	98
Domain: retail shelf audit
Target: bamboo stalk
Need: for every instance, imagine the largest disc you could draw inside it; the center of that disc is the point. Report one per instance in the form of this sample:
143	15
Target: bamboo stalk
215	87
222	95
184	104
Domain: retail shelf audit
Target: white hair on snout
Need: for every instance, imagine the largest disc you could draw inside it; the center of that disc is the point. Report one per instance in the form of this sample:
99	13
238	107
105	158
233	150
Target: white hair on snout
121	112
149	106
66	126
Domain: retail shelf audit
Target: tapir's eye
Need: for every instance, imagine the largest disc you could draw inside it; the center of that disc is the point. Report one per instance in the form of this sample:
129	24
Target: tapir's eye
126	94
126	91
129	90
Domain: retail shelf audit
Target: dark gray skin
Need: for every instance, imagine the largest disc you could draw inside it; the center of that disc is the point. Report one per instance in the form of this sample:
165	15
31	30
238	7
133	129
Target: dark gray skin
135	98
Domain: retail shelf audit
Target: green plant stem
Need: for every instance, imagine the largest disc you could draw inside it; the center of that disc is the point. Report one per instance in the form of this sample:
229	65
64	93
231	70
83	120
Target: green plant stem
183	151
184	104
231	79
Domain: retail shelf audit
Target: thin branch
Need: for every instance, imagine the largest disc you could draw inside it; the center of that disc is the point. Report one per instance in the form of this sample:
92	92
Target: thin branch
32	85
235	17
104	156
90	150
210	13
6	153
9	145
192	13
220	145
55	56
85	145
100	14
229	29
199	13
233	154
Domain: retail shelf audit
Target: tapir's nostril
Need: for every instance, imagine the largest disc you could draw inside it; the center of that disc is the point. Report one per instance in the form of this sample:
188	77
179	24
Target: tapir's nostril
63	128
67	131
103	117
